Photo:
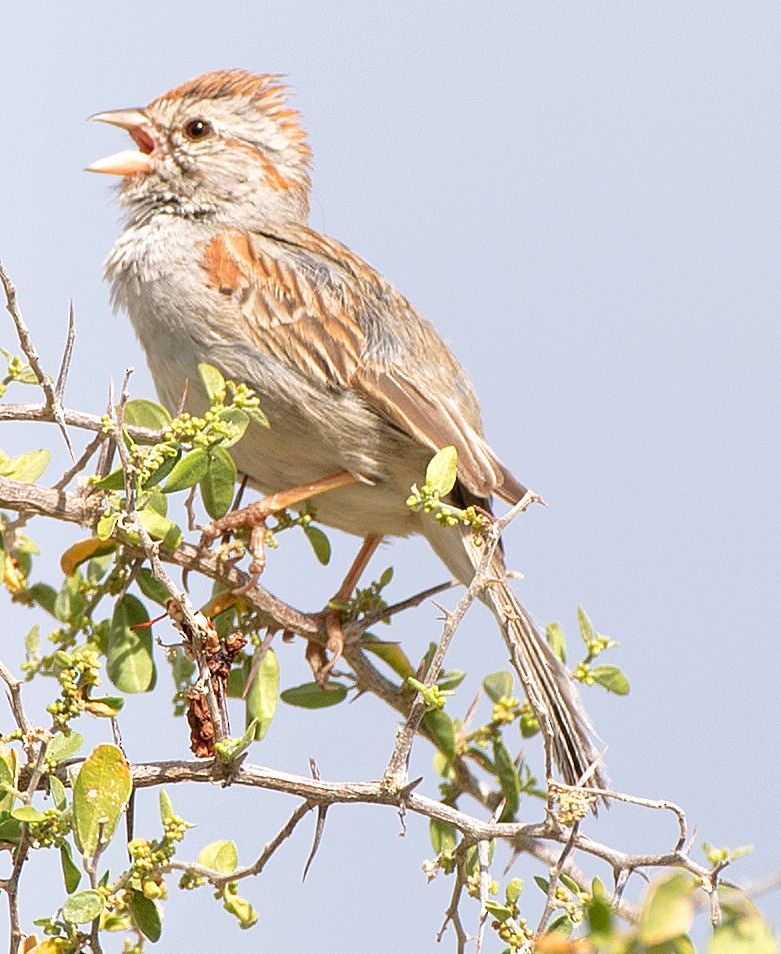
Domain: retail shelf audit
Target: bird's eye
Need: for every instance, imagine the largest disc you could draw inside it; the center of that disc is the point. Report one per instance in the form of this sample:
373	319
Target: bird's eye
197	129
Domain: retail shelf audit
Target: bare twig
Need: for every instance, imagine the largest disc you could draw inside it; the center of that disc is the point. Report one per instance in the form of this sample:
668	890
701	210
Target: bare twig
31	353
218	878
15	698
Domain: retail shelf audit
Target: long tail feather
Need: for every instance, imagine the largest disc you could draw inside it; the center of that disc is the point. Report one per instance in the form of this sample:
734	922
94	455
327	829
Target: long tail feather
549	689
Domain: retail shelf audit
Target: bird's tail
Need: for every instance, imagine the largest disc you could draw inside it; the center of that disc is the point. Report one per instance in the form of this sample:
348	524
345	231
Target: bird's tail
568	734
551	693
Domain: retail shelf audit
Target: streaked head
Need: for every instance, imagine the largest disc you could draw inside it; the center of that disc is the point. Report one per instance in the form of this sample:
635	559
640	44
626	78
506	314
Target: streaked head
225	145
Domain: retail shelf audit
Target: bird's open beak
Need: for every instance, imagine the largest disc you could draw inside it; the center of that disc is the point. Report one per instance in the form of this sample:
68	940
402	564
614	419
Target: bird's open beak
128	161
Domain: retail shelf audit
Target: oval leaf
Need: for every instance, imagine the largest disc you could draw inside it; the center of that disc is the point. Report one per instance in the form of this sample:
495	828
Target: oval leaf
220	856
554	634
143	413
82	907
263	694
130	664
390	653
188	471
441	471
70	872
147	916
63	746
27	468
668	911
217	486
240	420
152	588
160	528
26	813
508	780
611	678
319	542
100	794
444	837
440	725
498	685
311	695
213	382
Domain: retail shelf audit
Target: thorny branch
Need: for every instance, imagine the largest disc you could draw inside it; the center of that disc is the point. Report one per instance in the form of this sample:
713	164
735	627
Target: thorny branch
538	839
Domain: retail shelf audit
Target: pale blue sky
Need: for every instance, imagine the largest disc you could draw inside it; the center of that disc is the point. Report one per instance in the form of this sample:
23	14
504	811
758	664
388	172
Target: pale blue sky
584	198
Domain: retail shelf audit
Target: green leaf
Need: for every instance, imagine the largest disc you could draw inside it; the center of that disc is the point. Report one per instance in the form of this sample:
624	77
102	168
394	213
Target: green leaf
498	685
69	603
44	595
444	837
319	542
105	707
442	470
584	624
472	857
240	908
257	416
27	813
100	794
166	807
83	906
213	382
600	917
26	468
569	883
188	471
32	641
611	678
668	910
220	856
99	566
554	634
450	679
106	525
147	916
7	777
10	829
130	664
390	653
509	781
160	528
217	486
170	461
152	588
561	924
311	695
70	871
228	750
57	792
513	890
742	930
113	481
500	911
440	725
237	417
263	694
144	413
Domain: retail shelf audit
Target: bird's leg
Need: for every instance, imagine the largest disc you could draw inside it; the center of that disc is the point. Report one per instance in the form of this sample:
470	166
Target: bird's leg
315	654
255	515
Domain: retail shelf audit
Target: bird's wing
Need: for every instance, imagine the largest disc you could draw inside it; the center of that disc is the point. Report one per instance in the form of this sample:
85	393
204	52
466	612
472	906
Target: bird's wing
311	304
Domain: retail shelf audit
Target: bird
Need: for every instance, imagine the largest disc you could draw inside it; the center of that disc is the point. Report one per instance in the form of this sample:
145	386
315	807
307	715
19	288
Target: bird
218	263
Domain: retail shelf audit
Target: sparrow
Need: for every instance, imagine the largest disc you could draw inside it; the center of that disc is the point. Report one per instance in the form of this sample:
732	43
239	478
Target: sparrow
217	263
